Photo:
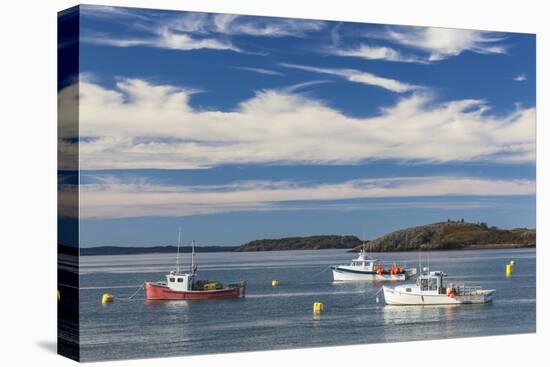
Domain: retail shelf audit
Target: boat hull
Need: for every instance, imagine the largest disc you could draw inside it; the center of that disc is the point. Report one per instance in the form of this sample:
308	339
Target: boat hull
156	291
398	298
341	274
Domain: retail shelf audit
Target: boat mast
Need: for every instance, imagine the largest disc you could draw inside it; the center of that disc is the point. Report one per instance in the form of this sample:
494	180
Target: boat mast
193	266
178	253
363	248
365	245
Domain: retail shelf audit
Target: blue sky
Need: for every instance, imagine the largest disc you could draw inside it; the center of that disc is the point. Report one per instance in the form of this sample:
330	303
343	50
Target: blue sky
238	128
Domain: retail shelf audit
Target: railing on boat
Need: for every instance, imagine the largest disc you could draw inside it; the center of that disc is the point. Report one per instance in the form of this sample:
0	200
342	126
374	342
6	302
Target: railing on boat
467	290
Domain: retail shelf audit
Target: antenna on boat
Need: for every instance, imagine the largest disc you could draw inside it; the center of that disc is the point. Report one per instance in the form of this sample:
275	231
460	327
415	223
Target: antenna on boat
365	245
178	253
420	260
428	256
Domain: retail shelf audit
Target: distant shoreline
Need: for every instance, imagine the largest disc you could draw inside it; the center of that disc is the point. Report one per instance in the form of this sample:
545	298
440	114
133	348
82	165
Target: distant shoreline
97	251
441	236
133	250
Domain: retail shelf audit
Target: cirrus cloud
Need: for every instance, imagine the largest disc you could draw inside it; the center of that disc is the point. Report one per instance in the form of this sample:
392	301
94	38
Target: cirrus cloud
442	43
190	30
368	52
357	76
163	37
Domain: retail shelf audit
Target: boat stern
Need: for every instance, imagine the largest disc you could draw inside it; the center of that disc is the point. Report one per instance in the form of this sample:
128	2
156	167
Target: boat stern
240	287
488	295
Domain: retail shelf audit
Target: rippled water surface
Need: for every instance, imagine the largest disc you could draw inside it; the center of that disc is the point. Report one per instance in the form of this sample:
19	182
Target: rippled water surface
281	317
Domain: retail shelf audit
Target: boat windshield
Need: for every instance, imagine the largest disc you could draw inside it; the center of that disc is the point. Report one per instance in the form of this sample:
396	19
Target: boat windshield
362	262
429	283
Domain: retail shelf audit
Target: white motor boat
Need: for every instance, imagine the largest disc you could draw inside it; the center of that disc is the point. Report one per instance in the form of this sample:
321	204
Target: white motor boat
366	268
430	289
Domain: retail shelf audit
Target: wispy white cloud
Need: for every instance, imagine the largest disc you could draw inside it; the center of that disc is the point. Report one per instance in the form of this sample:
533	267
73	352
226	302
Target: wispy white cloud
190	31
520	78
136	124
296	87
236	25
357	76
259	70
386	53
103	12
163	38
442	43
262	26
114	198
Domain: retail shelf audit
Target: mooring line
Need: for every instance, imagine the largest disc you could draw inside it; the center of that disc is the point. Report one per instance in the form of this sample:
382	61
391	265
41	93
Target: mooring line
132	296
321	272
358	303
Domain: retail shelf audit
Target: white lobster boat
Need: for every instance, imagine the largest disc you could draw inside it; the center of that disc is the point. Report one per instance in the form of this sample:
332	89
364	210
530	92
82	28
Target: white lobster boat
366	268
431	290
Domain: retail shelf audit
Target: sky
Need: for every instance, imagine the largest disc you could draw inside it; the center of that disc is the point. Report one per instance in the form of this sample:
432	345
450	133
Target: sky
239	128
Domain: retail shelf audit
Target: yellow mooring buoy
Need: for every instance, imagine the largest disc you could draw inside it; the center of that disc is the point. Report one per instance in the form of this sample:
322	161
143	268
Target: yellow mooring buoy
274	283
318	307
106	298
509	269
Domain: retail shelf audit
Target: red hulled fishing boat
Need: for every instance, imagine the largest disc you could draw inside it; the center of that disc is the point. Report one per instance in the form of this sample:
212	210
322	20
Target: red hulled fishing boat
180	285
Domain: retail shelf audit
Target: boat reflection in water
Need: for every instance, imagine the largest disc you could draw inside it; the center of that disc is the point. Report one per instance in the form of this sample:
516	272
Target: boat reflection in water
434	322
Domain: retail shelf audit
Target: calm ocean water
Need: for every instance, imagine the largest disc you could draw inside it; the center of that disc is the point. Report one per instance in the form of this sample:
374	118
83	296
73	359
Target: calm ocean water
281	317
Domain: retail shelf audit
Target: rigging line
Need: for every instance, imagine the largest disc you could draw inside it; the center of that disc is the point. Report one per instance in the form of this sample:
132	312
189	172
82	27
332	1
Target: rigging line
376	294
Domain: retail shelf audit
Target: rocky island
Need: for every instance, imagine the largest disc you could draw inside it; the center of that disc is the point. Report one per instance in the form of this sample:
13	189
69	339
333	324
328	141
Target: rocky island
452	235
302	243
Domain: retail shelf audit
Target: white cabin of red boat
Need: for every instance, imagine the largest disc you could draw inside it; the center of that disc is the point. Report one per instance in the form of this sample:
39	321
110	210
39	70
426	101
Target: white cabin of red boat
180	281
